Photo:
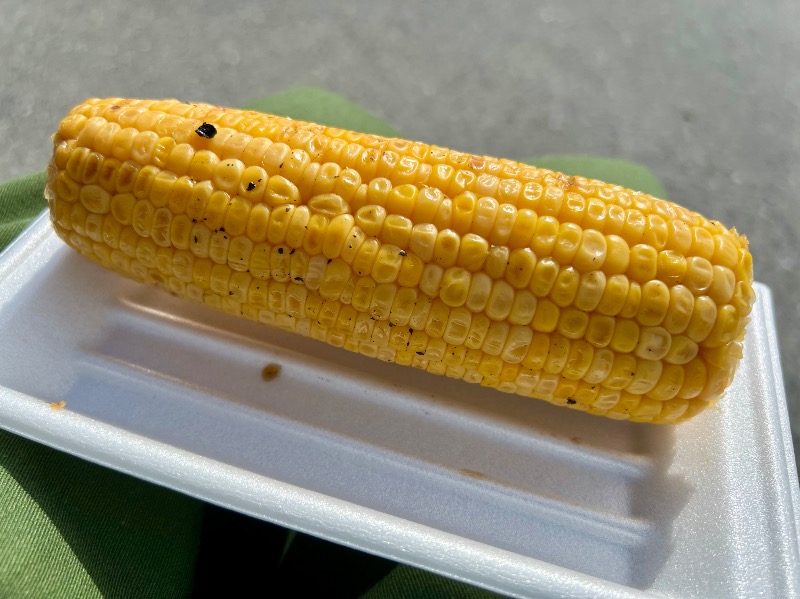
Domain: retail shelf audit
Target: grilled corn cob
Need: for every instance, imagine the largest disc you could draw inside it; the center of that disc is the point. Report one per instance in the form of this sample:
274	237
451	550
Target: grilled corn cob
566	289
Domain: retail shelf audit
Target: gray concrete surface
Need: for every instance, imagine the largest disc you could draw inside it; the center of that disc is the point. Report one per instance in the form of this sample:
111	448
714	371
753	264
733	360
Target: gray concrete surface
704	93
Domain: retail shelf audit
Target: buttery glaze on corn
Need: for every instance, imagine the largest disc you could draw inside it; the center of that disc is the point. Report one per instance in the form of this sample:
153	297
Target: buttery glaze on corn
571	290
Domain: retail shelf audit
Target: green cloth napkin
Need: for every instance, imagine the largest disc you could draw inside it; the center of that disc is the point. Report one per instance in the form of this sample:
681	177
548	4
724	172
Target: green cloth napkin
69	528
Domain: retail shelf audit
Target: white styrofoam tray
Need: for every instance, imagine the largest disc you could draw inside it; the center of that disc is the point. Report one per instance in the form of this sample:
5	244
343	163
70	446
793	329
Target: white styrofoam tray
509	494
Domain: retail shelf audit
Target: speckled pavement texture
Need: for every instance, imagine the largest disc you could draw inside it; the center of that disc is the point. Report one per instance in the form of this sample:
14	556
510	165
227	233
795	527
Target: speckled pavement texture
704	94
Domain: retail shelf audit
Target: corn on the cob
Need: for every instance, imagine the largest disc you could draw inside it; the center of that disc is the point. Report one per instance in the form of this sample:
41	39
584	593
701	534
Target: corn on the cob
570	290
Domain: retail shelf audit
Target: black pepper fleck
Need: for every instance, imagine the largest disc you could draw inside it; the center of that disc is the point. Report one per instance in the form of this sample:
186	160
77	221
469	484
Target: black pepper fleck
420	353
299	279
403	253
251	186
280	250
292	252
206	130
571	401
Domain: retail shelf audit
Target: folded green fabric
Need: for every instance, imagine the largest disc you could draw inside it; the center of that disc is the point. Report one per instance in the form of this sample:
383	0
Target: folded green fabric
73	529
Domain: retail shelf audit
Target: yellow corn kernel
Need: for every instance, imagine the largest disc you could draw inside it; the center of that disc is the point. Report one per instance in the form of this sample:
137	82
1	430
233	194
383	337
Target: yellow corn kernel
455	285
669	384
725	329
592	252
694	380
681	350
523	308
702	320
366	256
579	361
397	231
545	235
411	270
654	343
551	201
443	217
370	219
722	286
521	264
423	240
228	174
643	263
438	318
500	301
645	377
544	277
600	330
699	274
181	194
473	252
445	248
572	323
298	225
339	232
427	204
590	291
160	231
458	326
198	200
622	372
702	243
503	224
546	317
679	312
625	337
497	261
566	287
654	303
121	206
558	354
614	295
523	228
568	241
601	366
387	264
632	301
517	344
464	206
280	262
618	255
537	353
595	215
